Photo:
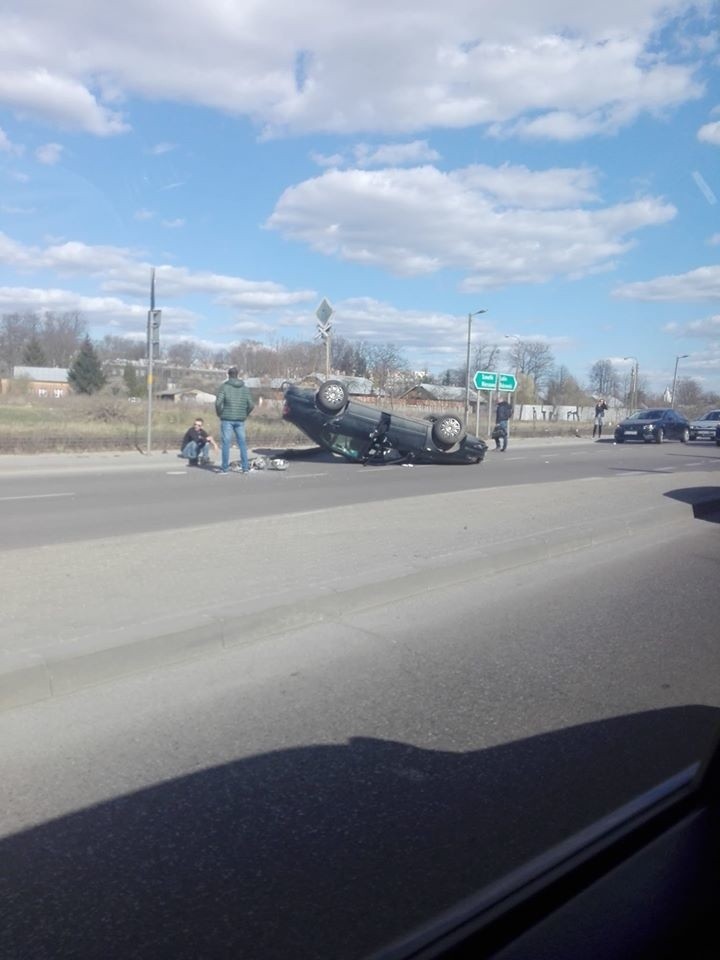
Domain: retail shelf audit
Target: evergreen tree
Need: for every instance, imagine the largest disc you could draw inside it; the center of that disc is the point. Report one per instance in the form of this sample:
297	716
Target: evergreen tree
132	381
33	354
86	375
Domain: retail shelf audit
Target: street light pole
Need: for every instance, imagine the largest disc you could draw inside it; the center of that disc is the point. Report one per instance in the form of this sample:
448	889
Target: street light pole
680	357
634	372
467	363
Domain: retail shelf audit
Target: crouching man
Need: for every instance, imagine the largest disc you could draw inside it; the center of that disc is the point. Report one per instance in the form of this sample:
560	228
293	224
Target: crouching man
195	444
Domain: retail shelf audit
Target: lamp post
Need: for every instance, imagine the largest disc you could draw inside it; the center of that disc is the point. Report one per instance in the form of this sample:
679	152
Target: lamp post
681	356
634	372
467	363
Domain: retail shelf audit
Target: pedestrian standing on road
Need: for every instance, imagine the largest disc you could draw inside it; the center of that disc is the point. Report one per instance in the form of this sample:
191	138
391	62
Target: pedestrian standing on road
233	404
195	443
600	408
503	415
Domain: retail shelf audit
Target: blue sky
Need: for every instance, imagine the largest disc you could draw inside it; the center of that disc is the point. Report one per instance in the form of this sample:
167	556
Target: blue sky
555	164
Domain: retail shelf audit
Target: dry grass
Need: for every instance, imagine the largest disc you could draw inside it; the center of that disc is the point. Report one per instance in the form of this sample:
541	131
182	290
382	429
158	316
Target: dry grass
105	422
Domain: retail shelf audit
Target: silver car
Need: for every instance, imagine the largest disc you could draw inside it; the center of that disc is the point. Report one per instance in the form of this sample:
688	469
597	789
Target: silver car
704	427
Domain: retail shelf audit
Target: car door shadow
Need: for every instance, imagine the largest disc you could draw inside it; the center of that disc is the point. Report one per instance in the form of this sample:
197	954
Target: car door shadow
321	850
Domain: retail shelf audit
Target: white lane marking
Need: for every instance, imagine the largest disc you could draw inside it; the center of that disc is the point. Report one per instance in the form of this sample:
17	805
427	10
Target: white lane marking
38	496
176	473
302	476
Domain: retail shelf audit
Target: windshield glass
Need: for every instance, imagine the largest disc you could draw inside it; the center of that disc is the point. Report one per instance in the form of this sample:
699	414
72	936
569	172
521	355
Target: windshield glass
647	415
347	446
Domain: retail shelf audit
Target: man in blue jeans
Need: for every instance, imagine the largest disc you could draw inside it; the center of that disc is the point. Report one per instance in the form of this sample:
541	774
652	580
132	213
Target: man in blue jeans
233	404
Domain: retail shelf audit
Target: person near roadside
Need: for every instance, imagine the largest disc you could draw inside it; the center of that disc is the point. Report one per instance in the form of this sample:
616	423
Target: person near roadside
233	404
600	408
503	415
195	443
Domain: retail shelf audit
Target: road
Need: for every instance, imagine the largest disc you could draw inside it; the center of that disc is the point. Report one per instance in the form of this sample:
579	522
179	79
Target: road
316	794
111	565
100	497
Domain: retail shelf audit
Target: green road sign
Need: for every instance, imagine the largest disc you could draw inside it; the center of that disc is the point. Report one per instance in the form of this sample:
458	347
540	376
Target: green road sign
485	380
508	382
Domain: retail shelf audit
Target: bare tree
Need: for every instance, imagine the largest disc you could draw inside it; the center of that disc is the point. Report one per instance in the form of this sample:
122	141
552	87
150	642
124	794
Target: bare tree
385	361
486	356
604	379
16	331
532	360
182	353
61	335
689	393
120	348
563	388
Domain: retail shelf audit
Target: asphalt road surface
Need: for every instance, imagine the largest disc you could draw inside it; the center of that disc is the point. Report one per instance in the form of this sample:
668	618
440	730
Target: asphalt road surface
320	793
40	508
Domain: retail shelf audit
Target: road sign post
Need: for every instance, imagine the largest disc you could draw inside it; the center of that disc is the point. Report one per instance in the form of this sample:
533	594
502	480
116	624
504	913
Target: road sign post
323	313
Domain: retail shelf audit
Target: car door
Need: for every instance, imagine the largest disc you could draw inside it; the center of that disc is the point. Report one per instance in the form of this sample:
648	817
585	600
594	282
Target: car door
676	425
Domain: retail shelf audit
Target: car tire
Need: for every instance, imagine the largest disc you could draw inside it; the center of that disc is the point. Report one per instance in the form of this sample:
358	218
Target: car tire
685	436
619	439
447	431
332	396
659	435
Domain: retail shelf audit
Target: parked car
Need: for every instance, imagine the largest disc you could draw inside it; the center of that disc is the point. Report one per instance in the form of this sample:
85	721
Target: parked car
363	433
653	425
717	434
705	427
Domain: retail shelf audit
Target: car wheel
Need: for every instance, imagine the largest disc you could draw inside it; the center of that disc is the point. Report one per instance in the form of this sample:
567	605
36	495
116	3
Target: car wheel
685	436
332	396
619	439
659	435
448	430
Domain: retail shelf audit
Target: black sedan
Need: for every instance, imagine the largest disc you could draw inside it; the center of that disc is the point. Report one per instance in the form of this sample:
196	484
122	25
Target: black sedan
653	426
363	433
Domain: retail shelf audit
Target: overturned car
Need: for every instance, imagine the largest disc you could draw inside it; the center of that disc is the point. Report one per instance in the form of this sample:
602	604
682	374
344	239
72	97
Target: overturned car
360	432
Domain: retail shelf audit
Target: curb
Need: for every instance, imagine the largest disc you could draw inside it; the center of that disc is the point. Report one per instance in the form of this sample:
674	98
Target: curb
56	676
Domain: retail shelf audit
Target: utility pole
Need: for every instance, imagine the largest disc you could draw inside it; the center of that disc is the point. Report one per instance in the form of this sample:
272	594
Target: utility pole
153	347
467	363
682	356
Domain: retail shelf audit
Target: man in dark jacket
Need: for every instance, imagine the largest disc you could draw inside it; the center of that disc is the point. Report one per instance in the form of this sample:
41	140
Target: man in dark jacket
503	413
195	443
233	404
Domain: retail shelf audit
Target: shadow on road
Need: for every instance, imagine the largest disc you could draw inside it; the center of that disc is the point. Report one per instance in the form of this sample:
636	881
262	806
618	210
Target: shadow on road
705	501
325	851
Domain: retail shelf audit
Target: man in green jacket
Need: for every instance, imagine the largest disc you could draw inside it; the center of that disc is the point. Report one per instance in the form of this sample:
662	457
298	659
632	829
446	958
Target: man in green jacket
233	404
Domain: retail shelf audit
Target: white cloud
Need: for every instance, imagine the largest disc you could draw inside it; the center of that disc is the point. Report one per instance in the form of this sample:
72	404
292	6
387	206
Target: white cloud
61	100
707	328
714	240
394	154
568	69
700	284
160	148
49	153
173	224
143	215
710	133
121	270
7	146
499	225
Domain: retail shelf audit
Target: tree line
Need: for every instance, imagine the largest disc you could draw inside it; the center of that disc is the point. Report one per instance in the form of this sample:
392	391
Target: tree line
53	339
